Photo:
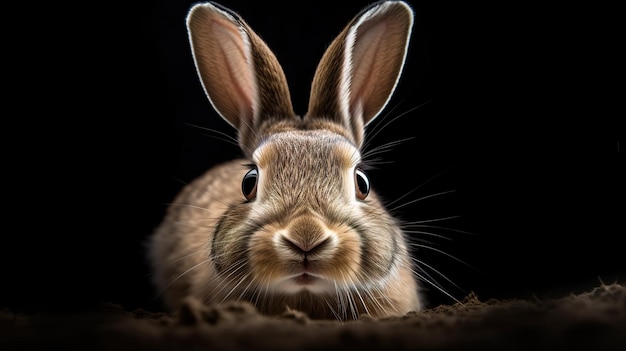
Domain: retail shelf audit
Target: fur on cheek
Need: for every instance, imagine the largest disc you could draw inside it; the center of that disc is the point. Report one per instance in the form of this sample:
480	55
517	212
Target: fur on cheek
265	262
345	265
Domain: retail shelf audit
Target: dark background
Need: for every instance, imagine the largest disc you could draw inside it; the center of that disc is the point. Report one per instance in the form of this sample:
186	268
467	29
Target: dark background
512	108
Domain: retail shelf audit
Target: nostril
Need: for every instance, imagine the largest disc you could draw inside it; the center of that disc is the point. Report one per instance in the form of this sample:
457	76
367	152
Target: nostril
294	245
319	245
303	247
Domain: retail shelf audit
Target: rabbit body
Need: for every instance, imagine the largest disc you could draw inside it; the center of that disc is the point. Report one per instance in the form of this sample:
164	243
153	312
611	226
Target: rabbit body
292	224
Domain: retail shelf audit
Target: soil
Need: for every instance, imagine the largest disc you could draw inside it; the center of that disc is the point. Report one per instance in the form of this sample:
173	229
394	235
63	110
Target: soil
594	320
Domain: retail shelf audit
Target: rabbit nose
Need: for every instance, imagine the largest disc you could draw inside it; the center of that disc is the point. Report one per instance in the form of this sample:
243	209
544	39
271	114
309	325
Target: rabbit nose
306	235
306	248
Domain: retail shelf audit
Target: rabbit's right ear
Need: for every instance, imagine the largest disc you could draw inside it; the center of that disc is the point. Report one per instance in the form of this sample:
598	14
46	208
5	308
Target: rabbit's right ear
240	75
361	67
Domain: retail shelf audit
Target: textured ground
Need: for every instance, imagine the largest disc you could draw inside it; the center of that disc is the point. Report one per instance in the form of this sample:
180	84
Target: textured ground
595	320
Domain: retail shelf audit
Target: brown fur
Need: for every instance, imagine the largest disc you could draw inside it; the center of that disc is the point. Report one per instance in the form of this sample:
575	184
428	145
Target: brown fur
305	218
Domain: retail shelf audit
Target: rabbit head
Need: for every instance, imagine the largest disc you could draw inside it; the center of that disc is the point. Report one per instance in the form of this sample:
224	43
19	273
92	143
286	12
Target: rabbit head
308	232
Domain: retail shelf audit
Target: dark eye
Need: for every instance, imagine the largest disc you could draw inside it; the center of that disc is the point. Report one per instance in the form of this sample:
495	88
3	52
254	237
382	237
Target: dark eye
362	184
248	184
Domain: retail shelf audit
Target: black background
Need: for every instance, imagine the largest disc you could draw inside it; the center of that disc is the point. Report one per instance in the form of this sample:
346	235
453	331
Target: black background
513	108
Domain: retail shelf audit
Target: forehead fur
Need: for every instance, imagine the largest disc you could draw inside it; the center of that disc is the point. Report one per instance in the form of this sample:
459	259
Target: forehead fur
311	148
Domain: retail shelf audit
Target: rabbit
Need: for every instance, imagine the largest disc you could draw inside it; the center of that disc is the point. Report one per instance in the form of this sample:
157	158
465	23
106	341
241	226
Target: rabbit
294	224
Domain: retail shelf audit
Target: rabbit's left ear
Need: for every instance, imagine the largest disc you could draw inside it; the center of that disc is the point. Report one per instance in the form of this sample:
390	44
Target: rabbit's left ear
360	69
240	74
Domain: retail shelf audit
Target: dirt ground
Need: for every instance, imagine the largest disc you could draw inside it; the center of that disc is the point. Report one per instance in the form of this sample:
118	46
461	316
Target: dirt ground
594	320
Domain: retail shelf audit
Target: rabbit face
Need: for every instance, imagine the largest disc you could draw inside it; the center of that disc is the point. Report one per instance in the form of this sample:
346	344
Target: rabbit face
306	229
307	233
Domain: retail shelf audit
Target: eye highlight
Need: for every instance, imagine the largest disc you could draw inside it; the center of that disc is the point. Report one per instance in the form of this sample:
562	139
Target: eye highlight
361	184
249	184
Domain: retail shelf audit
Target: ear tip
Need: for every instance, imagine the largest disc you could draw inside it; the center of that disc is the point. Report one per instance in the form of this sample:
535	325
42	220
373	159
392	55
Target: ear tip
198	9
210	7
201	6
408	12
201	12
395	8
405	6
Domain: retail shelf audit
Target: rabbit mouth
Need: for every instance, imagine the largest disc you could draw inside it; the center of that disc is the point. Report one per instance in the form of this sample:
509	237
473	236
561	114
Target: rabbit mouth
305	279
302	281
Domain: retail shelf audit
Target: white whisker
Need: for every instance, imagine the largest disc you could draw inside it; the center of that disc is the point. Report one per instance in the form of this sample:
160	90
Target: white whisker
236	286
193	225
197	252
441	252
378	127
432	220
332	309
421	264
232	270
440	227
427	233
251	283
372	297
223	136
384	148
432	282
420	186
417	200
179	277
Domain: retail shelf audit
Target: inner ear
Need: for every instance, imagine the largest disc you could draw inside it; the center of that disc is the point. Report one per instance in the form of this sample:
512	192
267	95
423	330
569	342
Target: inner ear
379	43
360	69
240	74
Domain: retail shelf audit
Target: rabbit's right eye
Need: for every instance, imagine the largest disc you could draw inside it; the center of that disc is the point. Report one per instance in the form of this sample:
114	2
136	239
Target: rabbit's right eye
248	185
362	184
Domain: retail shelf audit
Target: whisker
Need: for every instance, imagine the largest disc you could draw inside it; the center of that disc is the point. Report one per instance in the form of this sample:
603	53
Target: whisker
251	129
384	147
427	233
188	223
332	309
351	302
232	270
441	252
421	185
174	204
432	220
378	127
267	290
223	136
421	264
186	256
236	286
417	200
371	293
432	282
250	283
160	292
341	303
442	228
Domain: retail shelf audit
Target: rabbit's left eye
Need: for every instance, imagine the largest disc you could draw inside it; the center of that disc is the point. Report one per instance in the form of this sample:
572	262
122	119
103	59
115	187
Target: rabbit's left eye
362	184
249	183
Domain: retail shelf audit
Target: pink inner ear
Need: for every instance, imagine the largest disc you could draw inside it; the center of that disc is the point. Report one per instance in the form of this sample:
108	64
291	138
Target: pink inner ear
375	66
235	63
363	57
235	70
222	55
